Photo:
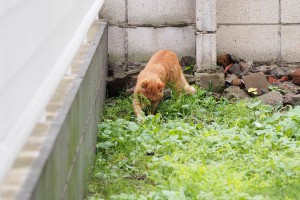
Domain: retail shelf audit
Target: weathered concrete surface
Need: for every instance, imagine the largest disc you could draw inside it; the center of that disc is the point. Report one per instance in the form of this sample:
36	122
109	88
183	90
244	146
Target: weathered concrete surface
54	163
290	11
206	52
161	12
245	11
143	42
291	43
211	81
255	42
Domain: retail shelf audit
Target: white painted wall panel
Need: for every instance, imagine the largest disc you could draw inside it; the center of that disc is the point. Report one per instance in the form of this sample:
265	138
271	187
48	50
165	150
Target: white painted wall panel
38	39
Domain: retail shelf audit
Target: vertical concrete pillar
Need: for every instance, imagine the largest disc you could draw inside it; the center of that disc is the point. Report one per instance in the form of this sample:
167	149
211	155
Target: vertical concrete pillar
206	25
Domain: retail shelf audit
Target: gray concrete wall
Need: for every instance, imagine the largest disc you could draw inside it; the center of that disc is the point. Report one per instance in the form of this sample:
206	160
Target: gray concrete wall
55	162
260	30
139	28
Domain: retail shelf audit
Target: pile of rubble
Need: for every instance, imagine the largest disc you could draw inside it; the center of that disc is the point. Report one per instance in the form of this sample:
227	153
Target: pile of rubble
272	84
242	79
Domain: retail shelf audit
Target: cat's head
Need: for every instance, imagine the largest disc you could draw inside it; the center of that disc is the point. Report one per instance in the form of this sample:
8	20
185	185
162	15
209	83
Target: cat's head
152	89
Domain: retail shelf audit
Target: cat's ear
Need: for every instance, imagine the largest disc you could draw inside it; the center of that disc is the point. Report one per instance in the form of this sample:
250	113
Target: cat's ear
144	84
161	85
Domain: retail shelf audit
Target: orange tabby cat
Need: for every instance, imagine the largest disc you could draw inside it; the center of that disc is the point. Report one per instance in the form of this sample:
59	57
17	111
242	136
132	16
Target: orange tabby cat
163	68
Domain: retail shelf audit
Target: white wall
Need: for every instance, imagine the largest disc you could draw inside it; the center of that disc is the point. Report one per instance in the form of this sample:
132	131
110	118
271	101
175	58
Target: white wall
38	40
260	30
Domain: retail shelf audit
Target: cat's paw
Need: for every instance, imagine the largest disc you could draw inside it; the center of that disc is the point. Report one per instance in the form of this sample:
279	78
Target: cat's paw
190	89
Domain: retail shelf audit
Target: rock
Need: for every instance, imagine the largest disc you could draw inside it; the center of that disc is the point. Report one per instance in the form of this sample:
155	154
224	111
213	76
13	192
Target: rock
246	67
235	69
273	98
189	78
237	82
256	80
264	68
296	100
234	92
230	77
296	77
214	82
118	69
278	72
289	87
288	98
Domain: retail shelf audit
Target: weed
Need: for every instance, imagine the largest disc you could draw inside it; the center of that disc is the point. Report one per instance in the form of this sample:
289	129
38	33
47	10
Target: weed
197	147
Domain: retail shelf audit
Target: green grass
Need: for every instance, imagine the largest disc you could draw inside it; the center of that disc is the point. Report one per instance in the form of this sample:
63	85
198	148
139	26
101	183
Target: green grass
197	147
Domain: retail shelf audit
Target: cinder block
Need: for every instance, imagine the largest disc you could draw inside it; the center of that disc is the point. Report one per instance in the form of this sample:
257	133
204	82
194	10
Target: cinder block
290	43
206	15
143	42
252	42
156	12
206	52
245	11
113	11
116	43
290	11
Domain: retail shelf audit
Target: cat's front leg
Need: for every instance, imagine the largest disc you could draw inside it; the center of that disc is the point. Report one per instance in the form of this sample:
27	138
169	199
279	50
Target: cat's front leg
137	107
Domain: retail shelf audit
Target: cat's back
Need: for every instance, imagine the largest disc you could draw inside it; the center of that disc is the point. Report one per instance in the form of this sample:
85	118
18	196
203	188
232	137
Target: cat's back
164	57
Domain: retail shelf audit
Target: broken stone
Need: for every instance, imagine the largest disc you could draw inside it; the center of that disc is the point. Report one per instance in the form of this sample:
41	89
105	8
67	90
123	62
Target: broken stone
278	72
189	78
256	80
273	98
234	92
296	100
246	67
289	87
237	82
296	77
118	69
288	98
212	82
230	78
235	69
264	68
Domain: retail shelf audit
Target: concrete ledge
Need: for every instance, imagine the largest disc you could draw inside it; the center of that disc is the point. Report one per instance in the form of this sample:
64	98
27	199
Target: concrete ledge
54	163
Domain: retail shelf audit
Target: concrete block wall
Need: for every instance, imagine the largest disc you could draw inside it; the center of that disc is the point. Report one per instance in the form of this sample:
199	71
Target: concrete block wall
261	30
138	28
57	158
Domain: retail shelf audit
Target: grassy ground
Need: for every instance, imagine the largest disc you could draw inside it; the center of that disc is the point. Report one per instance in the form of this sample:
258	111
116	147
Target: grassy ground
198	147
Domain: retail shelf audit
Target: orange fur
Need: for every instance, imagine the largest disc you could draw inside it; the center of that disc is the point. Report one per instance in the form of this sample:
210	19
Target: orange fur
163	68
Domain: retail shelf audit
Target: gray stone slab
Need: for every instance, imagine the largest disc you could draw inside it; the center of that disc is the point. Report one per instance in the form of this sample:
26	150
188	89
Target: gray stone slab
258	81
